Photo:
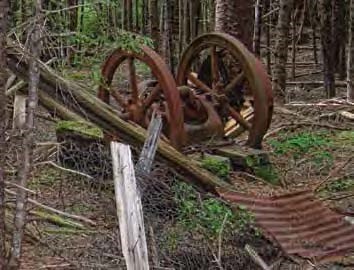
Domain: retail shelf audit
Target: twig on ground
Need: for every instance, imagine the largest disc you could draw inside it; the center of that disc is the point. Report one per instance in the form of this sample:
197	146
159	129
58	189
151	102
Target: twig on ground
347	115
50	209
256	258
21	187
64	169
55	266
220	239
154	254
299	124
332	173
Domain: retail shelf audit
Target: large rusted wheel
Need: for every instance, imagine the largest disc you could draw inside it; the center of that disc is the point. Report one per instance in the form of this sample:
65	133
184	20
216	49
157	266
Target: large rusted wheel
120	88
220	66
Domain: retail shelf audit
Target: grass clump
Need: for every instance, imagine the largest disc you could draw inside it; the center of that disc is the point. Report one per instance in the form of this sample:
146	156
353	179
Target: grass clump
268	173
300	143
82	128
221	167
346	137
208	216
316	145
340	185
45	178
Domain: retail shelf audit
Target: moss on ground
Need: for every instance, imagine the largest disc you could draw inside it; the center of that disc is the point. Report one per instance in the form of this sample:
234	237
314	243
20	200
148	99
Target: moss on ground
318	146
209	216
82	128
220	166
346	137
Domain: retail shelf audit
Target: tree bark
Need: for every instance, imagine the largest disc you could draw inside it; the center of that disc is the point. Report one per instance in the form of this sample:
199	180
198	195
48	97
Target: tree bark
339	35
167	40
350	57
186	22
281	49
73	22
235	17
127	15
143	17
327	41
25	162
4	9
195	17
257	28
154	23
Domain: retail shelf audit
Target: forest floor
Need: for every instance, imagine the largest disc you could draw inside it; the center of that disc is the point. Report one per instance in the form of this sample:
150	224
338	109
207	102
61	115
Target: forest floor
309	145
303	151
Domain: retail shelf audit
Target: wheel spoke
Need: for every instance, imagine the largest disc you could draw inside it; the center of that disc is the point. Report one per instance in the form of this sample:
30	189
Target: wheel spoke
239	118
132	80
152	97
199	84
214	67
235	82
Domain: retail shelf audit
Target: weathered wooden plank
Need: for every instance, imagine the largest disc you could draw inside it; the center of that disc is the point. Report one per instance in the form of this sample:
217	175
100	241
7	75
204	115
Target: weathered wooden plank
150	146
19	115
129	209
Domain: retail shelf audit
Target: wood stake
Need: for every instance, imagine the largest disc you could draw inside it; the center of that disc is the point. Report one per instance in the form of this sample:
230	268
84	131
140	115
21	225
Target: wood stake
129	209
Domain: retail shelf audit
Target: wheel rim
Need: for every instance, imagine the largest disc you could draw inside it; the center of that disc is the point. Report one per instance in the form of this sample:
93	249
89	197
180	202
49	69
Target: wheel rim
173	109
254	72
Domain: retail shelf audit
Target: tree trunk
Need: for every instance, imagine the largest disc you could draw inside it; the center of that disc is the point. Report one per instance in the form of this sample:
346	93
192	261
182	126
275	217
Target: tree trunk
4	9
328	52
180	27
129	12
195	17
186	21
268	38
168	33
127	15
25	162
235	17
257	28
339	34
73	22
154	23
350	57
143	17
281	49
137	16
124	15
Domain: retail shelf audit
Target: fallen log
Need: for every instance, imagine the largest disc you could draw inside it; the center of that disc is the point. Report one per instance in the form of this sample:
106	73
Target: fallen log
70	100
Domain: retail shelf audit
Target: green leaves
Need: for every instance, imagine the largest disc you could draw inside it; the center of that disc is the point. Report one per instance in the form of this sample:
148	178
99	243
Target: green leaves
316	145
132	42
300	143
220	168
208	216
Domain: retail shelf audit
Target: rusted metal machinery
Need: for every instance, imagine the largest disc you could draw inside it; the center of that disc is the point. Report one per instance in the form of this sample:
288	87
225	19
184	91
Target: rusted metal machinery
220	90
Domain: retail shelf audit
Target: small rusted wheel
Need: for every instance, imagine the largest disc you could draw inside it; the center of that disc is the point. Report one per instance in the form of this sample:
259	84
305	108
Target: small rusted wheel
221	67
122	73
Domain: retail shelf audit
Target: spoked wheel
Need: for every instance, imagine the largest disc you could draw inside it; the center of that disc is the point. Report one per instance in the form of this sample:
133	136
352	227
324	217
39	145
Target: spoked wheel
221	67
120	89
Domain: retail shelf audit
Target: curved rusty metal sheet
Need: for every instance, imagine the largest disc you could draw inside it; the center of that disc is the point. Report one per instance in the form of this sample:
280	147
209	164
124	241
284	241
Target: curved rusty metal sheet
165	80
255	73
300	223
